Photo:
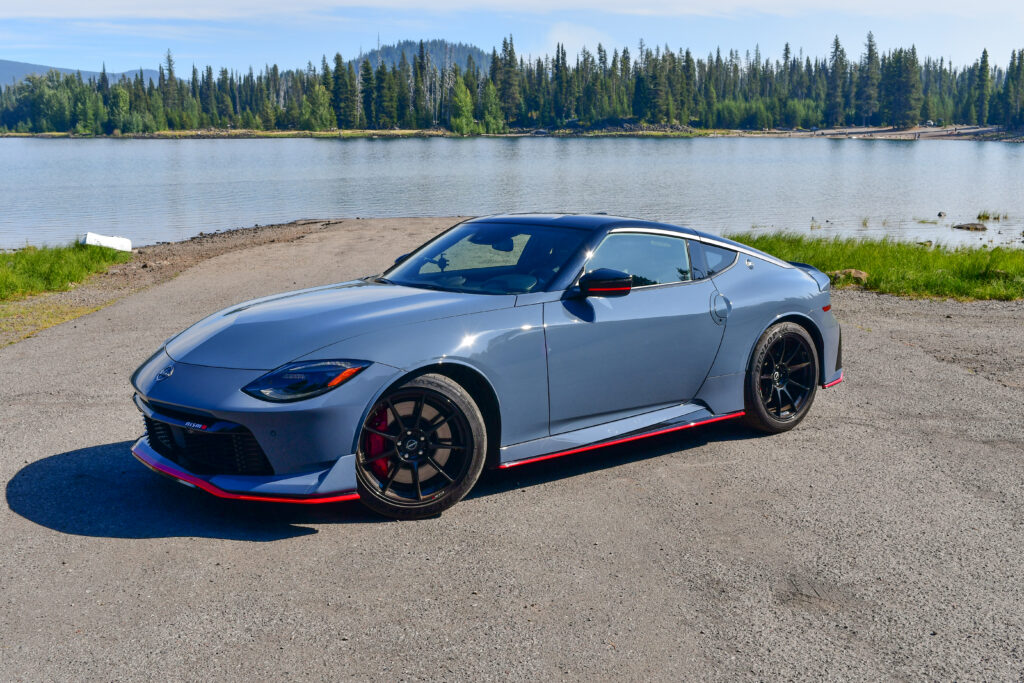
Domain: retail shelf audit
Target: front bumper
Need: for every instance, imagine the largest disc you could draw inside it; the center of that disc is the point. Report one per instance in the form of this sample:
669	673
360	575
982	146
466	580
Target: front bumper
296	438
332	485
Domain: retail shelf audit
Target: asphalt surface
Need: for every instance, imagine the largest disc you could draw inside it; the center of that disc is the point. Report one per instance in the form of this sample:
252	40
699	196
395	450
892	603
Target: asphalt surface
881	539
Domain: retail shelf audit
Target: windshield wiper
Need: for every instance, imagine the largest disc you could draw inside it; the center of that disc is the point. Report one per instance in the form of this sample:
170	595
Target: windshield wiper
424	285
380	279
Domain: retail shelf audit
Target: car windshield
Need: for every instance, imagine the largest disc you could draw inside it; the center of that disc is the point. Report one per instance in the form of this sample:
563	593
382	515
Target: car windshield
490	258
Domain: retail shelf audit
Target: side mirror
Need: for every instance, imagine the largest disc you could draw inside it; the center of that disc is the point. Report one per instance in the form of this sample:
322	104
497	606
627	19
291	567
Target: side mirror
605	282
401	258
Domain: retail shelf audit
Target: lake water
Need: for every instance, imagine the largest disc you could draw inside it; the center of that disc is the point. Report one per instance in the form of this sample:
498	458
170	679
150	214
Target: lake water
52	190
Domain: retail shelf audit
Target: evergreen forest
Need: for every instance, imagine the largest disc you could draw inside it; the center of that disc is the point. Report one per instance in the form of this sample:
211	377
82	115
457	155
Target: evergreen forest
598	90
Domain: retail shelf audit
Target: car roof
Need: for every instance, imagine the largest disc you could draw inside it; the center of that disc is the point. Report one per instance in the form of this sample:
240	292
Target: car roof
579	221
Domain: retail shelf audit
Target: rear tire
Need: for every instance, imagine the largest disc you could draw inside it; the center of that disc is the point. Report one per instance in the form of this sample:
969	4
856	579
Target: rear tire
782	379
421	449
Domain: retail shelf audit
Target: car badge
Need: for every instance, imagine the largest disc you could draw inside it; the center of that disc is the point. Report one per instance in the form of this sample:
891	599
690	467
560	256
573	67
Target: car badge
165	373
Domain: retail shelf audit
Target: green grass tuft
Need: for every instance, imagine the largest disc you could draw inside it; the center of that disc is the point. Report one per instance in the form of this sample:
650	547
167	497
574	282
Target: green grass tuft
906	269
989	215
46	269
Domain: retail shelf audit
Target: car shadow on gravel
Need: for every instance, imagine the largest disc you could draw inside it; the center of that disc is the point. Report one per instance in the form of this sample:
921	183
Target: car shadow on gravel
102	491
501	481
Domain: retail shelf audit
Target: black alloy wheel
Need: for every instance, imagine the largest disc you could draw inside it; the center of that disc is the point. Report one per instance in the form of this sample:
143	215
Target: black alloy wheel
421	449
783	378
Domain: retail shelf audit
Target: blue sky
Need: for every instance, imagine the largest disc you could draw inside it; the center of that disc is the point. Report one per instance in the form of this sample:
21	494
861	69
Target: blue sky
127	34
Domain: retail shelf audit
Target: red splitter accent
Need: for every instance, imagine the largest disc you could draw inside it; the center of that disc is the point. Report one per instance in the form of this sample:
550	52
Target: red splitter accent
174	473
834	382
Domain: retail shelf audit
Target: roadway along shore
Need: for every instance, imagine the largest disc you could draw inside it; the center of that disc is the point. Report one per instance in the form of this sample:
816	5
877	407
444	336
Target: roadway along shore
880	539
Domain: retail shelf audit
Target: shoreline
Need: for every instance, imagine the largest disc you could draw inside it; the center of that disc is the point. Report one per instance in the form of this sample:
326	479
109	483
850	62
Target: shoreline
973	133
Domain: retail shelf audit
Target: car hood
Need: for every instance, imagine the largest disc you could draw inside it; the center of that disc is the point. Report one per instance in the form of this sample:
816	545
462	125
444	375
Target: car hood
264	334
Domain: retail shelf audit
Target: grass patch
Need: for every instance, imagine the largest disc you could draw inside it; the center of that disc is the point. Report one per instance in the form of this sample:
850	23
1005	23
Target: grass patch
905	269
989	215
47	269
21	319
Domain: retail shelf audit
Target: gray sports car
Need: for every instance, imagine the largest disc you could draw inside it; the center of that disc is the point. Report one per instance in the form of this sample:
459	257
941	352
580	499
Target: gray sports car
503	341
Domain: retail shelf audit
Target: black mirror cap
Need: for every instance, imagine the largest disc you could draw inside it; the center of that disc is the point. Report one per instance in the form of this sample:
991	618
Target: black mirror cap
605	282
402	258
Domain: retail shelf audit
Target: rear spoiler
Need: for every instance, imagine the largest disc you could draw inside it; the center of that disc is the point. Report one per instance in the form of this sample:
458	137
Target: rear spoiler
816	275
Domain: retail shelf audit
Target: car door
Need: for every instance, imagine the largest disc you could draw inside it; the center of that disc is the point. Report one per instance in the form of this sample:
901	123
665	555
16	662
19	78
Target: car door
609	358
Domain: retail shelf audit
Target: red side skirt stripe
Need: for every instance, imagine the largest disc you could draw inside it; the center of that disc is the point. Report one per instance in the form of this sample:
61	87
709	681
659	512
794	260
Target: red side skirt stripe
618	441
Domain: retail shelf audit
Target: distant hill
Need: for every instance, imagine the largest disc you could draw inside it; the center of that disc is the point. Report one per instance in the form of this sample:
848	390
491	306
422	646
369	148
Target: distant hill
439	51
13	72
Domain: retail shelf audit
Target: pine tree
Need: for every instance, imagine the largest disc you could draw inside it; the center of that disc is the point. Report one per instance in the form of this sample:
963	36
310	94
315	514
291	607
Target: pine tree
868	78
904	96
366	93
835	105
326	76
508	83
104	84
350	106
420	105
339	93
984	88
169	88
403	97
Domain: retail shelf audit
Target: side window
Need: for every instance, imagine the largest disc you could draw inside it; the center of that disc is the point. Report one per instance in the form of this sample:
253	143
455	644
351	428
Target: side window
650	259
718	259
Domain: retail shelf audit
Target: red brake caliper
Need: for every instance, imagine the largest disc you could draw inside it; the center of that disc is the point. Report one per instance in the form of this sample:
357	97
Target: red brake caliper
375	445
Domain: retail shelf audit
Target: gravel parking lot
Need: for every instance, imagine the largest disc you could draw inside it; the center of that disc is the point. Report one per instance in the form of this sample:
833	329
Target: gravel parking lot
882	539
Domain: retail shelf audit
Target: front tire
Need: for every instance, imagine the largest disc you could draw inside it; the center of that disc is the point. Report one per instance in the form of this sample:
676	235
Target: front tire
421	449
782	379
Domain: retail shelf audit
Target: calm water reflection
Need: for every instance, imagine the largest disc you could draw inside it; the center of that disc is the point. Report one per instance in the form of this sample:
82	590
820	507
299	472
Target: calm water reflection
154	190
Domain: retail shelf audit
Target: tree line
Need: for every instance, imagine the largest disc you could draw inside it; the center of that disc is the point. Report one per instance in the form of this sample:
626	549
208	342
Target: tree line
656	86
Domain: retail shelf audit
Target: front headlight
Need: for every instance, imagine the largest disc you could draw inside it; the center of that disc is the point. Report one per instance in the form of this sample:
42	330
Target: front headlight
305	379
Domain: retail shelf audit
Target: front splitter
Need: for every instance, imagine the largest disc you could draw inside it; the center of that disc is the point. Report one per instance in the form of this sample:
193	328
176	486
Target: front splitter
143	453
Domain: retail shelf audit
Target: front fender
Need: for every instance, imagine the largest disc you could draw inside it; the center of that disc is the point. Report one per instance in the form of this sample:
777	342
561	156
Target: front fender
505	346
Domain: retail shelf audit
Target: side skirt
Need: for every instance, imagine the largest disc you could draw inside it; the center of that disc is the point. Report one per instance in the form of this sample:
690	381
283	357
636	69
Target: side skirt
696	419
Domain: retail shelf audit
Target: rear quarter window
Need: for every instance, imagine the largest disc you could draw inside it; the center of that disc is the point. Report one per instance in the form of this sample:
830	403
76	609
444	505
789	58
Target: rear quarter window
718	259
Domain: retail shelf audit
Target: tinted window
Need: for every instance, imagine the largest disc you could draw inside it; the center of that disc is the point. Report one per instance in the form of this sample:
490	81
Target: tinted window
718	259
650	259
490	258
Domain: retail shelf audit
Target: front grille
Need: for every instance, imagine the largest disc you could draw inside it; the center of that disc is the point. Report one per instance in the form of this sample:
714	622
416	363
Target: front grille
232	452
